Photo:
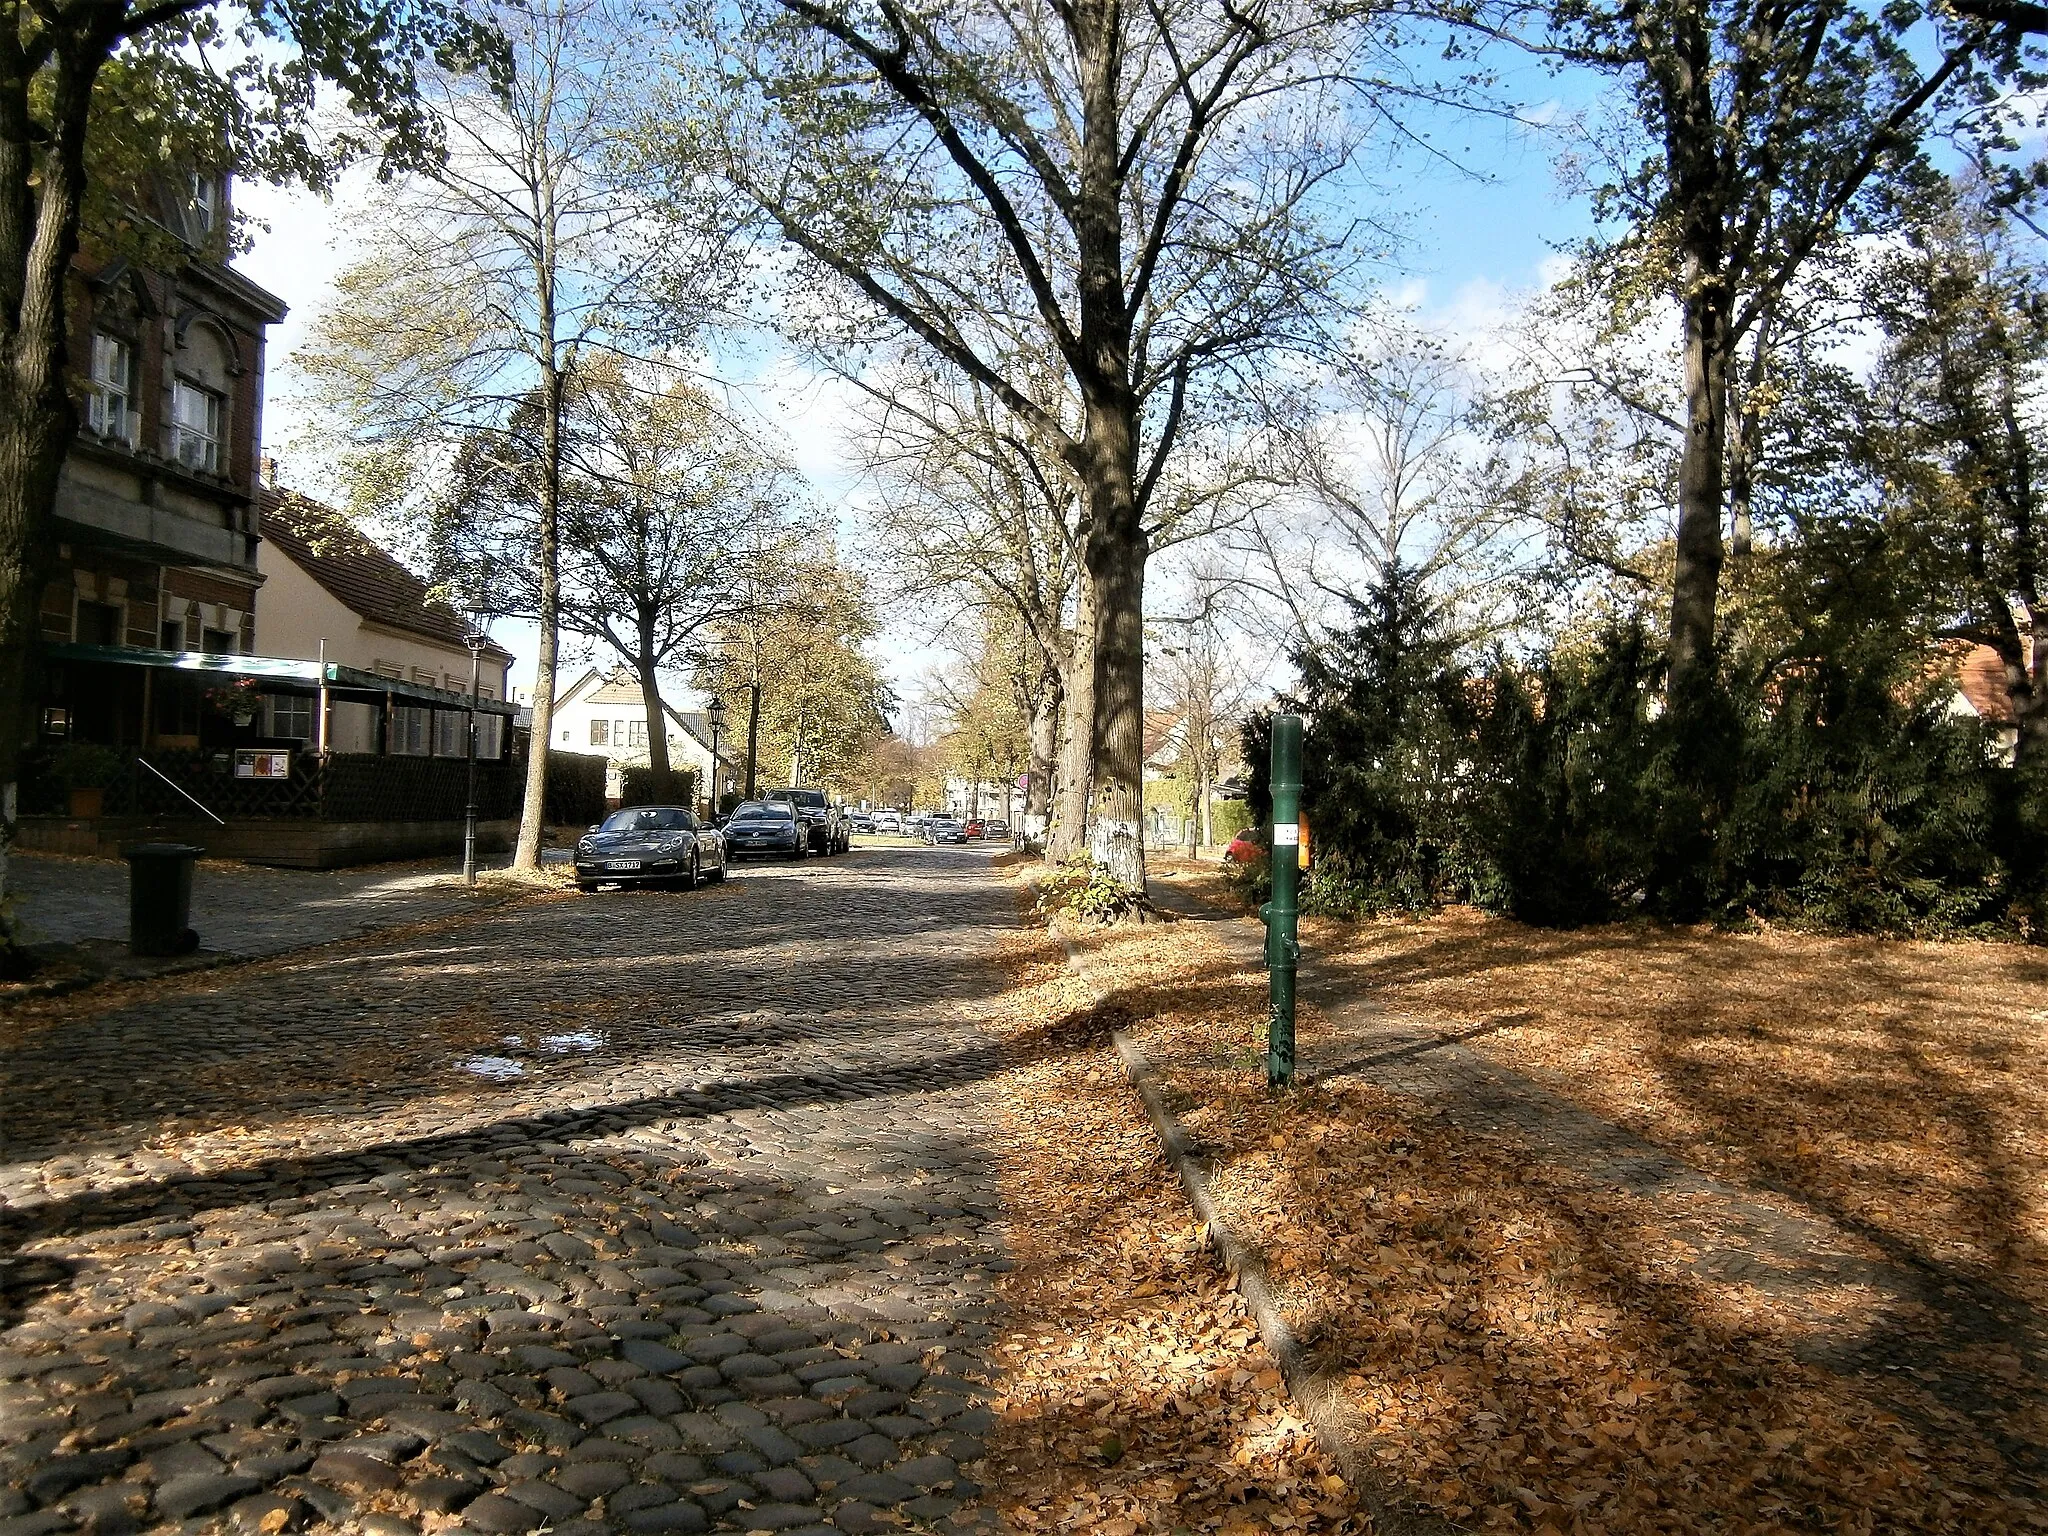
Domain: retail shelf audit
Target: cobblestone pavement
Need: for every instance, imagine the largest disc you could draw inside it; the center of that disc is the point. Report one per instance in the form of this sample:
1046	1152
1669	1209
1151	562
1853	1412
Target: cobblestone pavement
632	1212
237	909
1857	1306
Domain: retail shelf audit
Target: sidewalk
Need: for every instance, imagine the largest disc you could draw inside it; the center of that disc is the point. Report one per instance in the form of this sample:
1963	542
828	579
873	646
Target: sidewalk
240	911
1540	1314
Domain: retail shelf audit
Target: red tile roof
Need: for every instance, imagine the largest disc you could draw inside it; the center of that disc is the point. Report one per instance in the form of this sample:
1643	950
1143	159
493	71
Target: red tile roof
1980	678
356	572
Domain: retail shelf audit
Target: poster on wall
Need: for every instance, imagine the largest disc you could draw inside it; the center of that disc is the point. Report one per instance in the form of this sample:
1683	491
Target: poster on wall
263	763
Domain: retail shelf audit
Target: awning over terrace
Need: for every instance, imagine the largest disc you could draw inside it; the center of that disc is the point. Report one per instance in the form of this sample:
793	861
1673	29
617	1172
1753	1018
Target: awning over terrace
282	672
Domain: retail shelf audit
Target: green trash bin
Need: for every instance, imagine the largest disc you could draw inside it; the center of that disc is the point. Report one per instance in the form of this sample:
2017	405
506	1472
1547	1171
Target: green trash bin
160	898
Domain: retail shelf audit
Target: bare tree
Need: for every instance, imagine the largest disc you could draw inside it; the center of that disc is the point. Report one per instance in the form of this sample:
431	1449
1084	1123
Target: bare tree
1134	191
489	280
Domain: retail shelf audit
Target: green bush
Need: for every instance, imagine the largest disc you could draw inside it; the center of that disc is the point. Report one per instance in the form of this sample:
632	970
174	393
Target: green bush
1819	780
1227	818
1088	891
637	786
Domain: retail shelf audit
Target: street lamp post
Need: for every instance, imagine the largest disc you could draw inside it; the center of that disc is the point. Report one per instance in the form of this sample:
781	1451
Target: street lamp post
716	714
476	640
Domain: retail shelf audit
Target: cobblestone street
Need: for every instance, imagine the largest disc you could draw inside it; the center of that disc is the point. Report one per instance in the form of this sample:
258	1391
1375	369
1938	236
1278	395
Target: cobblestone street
637	1212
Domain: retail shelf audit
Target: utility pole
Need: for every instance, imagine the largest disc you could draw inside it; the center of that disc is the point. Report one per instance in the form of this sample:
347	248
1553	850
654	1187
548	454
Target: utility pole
1282	913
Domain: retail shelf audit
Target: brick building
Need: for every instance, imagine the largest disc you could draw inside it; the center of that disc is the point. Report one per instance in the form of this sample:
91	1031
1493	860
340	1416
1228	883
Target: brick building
157	523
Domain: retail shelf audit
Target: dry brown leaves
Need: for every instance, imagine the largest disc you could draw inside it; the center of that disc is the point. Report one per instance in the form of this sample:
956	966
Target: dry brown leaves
1526	1349
1900	1086
1136	1395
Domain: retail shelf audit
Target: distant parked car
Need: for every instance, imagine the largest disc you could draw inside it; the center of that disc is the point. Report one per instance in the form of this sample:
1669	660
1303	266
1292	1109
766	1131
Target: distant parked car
814	808
888	821
861	821
996	829
1248	847
650	845
767	826
975	828
944	829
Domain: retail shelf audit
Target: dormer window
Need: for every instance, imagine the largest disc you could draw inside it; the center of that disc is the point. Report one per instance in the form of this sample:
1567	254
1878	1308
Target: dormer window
205	203
195	427
110	407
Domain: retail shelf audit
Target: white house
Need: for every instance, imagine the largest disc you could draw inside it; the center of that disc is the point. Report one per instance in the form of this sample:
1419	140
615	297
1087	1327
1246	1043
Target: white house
602	714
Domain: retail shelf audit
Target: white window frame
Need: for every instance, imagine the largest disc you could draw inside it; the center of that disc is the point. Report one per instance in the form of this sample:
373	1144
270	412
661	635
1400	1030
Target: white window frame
279	707
110	407
197	445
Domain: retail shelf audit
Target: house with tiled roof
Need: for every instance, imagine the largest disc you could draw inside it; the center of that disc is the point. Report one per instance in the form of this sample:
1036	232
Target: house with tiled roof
329	589
1978	673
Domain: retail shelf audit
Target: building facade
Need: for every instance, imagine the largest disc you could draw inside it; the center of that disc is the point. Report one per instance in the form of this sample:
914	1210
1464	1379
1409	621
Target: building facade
603	714
156	518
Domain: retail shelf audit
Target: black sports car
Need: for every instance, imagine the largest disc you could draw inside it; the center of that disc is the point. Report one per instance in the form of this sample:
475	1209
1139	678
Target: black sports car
650	845
767	826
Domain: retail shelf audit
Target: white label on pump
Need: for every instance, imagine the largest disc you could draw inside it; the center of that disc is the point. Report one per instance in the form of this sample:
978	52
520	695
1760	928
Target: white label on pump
1286	834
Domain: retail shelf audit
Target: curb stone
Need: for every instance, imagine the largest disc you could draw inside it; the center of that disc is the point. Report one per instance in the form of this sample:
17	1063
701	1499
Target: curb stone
1316	1393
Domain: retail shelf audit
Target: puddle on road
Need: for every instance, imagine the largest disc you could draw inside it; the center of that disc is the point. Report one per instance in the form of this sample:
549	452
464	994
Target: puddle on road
575	1042
492	1067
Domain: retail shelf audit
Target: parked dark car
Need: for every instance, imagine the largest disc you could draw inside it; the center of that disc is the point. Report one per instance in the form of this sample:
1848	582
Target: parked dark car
996	829
944	829
650	845
825	821
861	821
767	826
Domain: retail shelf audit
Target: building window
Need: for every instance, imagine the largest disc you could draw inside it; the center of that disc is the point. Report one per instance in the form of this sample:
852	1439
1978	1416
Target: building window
110	409
205	203
195	427
412	731
218	642
565	738
451	733
101	623
173	636
288	716
599	734
618	733
636	733
385	669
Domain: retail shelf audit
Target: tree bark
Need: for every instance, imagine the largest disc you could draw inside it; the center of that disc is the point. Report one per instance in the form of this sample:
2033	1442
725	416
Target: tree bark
42	185
1044	738
657	718
1069	833
1116	567
533	812
1696	578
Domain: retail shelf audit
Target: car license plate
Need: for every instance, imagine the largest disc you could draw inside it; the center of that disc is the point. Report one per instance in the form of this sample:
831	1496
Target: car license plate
623	864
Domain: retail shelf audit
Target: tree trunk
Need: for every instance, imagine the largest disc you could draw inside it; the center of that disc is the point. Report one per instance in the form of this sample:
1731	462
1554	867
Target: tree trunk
657	720
533	812
1044	737
1069	832
1116	570
753	732
42	182
1696	578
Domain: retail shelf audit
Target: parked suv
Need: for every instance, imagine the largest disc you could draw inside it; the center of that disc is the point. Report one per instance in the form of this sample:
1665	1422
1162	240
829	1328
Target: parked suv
826	822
